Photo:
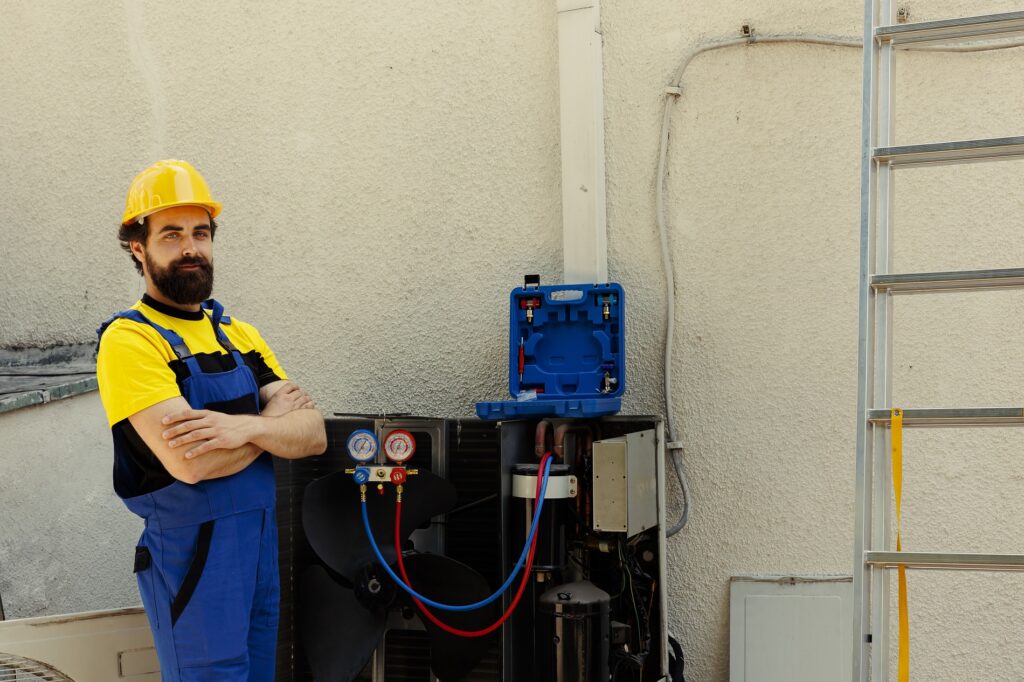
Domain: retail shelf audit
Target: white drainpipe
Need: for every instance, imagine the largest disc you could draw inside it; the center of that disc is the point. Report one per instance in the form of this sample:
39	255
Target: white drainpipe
581	73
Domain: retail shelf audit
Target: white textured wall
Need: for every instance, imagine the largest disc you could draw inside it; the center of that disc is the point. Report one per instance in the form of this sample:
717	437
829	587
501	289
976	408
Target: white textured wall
66	541
763	201
389	171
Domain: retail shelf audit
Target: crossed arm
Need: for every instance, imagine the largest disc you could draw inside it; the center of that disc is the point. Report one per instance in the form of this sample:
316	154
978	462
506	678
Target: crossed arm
195	445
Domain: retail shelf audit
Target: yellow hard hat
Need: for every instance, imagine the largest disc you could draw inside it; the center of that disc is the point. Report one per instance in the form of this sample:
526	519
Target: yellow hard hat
164	184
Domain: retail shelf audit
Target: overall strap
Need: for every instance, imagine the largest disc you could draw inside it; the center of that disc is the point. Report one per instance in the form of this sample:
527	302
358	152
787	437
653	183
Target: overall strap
176	343
217	317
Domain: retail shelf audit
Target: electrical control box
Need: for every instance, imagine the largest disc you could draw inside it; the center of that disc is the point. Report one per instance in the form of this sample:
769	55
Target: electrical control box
566	352
624	483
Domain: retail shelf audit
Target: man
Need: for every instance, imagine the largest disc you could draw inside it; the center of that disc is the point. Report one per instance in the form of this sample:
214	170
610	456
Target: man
196	401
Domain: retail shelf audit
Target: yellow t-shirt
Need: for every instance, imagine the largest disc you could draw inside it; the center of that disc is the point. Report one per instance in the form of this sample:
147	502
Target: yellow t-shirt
136	368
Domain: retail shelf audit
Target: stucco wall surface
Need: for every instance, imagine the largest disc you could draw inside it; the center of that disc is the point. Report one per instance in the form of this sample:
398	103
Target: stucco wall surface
390	171
66	541
763	203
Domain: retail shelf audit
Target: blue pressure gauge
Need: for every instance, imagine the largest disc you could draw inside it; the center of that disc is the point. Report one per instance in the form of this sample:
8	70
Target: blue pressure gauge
363	445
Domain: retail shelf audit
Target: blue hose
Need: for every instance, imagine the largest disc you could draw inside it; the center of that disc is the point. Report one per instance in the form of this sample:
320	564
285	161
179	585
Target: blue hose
480	604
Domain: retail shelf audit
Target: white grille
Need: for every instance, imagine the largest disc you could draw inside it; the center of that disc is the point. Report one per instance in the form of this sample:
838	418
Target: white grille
18	669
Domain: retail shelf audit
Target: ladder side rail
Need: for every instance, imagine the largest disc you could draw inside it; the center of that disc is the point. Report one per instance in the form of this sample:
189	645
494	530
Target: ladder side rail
866	348
883	304
878	625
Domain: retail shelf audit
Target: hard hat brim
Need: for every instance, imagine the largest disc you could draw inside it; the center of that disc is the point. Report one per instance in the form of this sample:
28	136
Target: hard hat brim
213	207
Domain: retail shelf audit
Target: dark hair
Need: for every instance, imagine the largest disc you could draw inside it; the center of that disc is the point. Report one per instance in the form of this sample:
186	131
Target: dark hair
138	231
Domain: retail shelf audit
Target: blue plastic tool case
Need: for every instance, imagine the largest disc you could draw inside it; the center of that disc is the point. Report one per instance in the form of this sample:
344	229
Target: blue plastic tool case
571	338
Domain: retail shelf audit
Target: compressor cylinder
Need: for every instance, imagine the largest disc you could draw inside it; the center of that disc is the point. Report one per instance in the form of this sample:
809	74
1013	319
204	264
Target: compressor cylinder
573	632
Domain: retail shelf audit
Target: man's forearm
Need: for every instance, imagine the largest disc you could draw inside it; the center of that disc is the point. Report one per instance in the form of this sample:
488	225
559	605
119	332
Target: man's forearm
293	434
299	433
221	463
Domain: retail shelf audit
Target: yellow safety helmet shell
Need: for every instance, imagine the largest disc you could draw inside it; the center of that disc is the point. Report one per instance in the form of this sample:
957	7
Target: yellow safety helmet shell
164	184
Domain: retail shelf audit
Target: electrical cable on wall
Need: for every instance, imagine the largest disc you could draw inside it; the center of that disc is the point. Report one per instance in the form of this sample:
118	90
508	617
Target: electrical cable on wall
673	92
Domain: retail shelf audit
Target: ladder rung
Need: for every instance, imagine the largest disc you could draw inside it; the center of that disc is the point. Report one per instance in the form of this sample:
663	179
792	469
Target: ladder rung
937	281
948	152
978	562
969	416
953	30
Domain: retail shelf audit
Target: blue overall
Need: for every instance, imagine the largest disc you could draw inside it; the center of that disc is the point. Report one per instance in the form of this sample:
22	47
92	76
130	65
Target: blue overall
206	563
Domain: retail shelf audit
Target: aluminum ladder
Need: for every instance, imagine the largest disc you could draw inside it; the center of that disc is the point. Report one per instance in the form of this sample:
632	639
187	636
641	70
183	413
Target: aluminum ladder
872	554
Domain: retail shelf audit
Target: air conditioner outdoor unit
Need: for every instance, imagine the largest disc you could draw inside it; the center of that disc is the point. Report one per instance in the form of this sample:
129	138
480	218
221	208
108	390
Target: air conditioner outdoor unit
607	550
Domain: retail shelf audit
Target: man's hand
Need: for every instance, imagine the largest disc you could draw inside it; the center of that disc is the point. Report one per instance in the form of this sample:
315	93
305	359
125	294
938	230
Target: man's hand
148	423
227	431
293	427
290	427
217	430
287	398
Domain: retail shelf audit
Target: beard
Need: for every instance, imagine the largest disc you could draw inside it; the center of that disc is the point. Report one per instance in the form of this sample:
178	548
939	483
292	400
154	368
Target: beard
184	287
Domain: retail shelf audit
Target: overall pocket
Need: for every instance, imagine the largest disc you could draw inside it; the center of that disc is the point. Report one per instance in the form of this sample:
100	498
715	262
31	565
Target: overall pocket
144	577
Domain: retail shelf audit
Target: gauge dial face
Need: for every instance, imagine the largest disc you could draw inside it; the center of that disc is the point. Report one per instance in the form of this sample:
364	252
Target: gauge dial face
399	446
362	445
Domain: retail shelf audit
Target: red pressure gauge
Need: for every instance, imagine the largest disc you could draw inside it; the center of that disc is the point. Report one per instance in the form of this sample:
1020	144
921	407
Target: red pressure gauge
399	446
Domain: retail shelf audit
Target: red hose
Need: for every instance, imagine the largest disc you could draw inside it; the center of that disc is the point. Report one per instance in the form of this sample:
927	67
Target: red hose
515	600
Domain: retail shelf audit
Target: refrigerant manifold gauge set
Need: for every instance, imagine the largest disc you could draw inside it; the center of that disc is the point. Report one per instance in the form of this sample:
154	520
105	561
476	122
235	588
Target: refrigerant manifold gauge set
363	447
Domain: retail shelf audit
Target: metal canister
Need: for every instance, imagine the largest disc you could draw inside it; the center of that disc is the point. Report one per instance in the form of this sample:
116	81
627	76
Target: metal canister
572	633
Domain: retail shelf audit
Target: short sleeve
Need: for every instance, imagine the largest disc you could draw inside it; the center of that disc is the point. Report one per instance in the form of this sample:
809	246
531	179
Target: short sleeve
132	370
269	370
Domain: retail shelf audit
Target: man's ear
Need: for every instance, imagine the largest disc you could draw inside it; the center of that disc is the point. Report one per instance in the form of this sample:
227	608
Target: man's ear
138	251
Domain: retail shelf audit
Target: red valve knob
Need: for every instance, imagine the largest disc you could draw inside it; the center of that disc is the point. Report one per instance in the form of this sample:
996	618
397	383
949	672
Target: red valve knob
398	476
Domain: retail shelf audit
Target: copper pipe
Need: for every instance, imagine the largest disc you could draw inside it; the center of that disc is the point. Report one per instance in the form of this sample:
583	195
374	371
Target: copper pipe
560	432
581	519
584	448
542	436
567	427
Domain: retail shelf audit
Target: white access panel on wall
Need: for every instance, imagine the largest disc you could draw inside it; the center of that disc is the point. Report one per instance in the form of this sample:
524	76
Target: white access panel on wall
94	646
790	629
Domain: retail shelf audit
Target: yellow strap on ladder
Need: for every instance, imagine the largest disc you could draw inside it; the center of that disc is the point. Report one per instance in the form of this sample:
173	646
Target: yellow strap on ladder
897	486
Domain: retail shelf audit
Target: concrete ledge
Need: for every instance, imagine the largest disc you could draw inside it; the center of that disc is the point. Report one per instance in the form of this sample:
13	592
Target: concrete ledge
33	376
57	392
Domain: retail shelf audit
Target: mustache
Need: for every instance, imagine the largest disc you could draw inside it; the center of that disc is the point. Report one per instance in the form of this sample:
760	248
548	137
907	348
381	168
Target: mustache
193	260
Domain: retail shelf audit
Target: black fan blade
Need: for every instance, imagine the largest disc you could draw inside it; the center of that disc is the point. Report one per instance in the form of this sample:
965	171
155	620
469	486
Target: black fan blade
334	524
337	632
446	580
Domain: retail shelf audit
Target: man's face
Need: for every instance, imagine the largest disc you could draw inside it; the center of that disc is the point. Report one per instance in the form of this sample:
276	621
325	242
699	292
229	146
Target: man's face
178	254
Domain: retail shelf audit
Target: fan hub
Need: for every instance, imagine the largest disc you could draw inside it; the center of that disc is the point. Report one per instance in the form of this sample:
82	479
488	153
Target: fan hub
374	589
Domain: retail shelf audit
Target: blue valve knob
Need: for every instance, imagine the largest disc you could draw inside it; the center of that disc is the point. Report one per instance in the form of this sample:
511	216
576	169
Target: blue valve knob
362	475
